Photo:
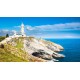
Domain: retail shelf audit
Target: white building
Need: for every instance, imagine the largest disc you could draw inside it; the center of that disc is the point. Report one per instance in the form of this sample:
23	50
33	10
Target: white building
21	34
22	30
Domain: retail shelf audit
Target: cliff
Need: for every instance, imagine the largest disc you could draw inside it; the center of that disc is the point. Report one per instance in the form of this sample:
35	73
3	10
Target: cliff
29	49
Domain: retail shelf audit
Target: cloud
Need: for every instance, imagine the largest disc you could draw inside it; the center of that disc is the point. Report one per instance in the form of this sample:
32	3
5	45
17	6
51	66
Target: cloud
5	31
55	30
28	27
57	27
62	30
53	27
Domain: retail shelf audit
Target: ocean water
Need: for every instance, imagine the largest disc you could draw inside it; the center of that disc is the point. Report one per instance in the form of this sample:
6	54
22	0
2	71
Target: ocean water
71	49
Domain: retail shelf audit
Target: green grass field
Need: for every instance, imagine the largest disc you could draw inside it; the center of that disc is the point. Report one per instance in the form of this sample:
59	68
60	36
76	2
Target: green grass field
12	54
2	38
6	56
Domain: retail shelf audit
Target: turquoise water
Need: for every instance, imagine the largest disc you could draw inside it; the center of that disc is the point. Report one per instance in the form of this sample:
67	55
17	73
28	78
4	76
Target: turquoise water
71	49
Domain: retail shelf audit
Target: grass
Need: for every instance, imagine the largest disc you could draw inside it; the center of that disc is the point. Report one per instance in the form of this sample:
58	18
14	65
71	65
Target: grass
6	56
10	53
19	44
2	38
13	53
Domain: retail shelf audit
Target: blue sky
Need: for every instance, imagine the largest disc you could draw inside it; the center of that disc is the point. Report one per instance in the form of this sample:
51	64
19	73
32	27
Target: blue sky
45	27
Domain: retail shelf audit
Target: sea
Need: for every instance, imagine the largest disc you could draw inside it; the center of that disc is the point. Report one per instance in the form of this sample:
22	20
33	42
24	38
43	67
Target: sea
71	49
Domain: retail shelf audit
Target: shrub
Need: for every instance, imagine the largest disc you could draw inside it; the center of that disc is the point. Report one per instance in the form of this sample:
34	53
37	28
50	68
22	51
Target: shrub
7	35
1	46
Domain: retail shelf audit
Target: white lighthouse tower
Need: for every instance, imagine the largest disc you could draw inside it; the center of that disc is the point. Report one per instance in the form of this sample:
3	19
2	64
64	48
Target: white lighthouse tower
22	30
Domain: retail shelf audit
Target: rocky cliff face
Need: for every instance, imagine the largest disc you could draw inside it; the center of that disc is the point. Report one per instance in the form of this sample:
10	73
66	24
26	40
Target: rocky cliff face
42	48
33	49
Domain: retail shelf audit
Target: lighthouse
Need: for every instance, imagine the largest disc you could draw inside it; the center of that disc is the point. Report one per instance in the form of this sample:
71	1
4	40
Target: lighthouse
22	30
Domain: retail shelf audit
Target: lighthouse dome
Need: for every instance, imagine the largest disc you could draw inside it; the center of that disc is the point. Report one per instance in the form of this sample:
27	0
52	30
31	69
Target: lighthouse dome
22	24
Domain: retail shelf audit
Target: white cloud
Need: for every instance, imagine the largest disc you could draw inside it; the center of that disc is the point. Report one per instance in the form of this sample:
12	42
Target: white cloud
53	27
55	30
3	32
66	26
28	27
56	27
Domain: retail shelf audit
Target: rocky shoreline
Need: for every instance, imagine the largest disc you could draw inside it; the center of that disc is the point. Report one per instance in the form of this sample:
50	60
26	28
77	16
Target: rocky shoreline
39	50
43	49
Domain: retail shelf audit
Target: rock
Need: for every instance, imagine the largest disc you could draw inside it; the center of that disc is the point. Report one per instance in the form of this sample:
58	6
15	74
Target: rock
42	54
57	55
54	60
39	48
42	48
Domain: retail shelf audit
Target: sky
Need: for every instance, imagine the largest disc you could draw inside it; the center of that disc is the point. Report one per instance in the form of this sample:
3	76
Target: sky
44	27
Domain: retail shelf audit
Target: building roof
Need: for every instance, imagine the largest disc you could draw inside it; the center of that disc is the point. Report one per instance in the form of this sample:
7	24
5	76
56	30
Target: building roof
22	24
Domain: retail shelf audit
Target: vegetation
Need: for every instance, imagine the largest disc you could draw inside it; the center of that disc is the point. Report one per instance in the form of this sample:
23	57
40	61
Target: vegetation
10	52
7	35
1	46
6	56
19	44
2	38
